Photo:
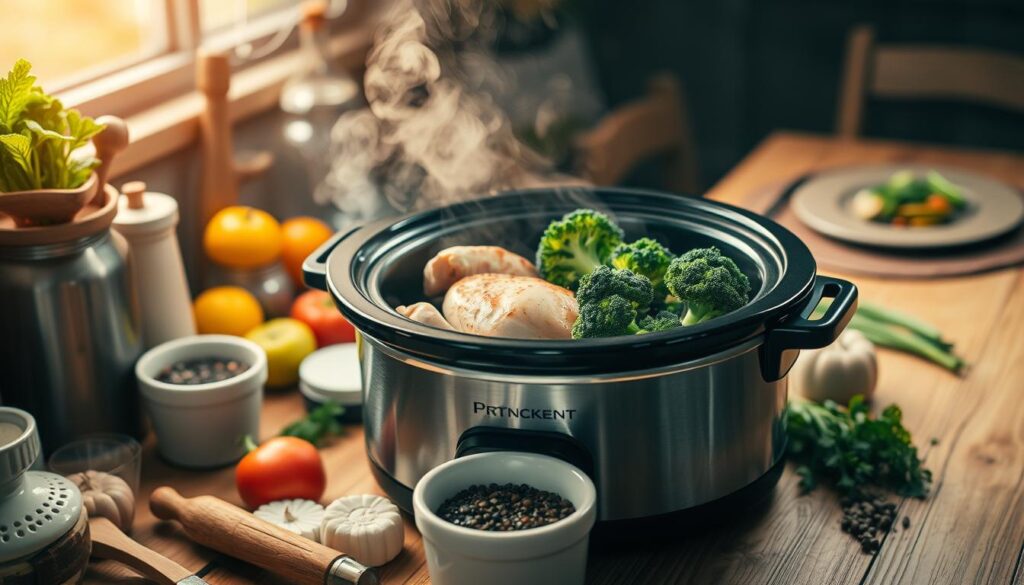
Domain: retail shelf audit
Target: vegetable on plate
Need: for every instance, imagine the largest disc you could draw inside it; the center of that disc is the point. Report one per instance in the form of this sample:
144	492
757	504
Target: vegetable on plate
907	200
280	469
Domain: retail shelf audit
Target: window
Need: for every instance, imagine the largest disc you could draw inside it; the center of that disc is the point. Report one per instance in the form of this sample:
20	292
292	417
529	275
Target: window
218	15
68	41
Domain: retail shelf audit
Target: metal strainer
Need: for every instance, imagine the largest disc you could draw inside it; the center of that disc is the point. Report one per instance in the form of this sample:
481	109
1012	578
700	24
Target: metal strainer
36	508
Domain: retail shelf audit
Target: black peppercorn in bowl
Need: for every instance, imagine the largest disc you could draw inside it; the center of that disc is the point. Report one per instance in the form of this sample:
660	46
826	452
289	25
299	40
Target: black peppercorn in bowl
663	422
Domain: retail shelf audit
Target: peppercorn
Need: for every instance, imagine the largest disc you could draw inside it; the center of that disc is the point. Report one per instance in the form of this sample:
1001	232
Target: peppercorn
201	371
504	507
867	517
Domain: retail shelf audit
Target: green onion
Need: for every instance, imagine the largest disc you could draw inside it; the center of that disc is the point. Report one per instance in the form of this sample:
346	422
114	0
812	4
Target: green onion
885	335
912	324
902	332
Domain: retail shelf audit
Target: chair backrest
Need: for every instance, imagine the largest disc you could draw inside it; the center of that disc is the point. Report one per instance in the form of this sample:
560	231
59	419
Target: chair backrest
654	125
924	72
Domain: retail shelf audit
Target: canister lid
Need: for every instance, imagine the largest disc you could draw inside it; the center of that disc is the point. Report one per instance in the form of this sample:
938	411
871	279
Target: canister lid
40	509
332	373
144	212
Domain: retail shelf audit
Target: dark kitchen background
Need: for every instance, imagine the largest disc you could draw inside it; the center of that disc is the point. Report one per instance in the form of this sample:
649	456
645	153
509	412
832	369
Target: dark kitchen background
752	66
748	67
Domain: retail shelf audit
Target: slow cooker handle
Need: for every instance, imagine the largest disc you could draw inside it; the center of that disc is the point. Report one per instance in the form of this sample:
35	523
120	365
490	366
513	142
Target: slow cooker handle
782	343
314	268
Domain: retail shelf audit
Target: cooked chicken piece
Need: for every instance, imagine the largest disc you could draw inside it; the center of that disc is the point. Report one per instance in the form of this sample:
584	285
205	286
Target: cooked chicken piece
452	264
425	313
503	305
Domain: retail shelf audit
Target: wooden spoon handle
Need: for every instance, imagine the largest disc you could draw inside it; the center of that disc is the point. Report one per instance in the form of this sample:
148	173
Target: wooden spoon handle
216	524
108	542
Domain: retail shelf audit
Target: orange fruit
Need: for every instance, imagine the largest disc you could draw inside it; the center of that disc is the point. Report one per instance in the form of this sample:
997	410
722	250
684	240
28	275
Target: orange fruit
242	237
301	235
229	310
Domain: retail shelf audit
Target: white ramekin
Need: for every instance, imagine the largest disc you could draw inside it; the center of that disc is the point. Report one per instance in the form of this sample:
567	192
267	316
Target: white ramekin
555	554
203	426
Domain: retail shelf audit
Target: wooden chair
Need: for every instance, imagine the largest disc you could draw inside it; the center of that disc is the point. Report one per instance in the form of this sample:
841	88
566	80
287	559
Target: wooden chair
923	72
655	125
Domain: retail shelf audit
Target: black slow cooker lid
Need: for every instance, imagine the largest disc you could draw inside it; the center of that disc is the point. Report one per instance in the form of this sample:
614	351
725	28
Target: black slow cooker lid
380	266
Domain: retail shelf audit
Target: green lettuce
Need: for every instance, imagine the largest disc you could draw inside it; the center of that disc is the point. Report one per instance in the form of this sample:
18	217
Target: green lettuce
39	139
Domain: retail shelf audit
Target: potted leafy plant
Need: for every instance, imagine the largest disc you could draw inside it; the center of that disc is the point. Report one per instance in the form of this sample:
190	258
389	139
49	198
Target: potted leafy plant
45	174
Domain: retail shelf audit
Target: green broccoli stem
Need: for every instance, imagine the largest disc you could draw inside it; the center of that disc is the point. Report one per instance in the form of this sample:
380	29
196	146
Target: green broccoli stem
881	334
697	314
912	324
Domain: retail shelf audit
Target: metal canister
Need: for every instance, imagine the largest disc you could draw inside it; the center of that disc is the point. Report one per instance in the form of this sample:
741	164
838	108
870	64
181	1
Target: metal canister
70	325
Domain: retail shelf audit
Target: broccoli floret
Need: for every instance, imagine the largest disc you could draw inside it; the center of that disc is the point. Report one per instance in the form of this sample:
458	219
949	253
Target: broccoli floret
645	257
709	283
663	321
610	303
576	245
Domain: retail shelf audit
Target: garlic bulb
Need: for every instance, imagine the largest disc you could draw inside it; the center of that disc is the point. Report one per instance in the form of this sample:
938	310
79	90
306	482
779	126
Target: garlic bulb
369	528
303	517
839	371
105	495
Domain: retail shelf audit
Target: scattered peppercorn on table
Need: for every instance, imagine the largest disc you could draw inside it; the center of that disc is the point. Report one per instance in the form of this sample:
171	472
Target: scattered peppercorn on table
970	530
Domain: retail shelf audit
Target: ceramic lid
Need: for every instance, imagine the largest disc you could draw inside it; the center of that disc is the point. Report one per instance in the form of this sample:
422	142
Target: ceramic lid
332	373
144	212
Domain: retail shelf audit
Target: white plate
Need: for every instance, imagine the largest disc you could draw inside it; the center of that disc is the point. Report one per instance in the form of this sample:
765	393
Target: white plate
993	208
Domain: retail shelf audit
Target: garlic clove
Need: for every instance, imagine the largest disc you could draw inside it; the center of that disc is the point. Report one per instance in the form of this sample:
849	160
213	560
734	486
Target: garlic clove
106	495
303	517
367	527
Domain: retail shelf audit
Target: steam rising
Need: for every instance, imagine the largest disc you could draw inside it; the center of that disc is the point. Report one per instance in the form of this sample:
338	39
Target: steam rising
431	134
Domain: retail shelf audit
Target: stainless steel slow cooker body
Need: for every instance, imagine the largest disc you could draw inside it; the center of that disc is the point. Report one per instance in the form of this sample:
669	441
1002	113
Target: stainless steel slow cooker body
663	422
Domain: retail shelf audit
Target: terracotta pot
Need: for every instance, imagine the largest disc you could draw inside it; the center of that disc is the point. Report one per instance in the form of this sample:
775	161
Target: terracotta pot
48	206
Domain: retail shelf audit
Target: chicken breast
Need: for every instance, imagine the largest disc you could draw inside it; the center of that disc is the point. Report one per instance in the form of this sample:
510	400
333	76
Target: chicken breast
425	313
452	264
503	305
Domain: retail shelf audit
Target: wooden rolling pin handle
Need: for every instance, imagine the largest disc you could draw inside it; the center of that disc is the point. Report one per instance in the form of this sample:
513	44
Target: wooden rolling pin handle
216	524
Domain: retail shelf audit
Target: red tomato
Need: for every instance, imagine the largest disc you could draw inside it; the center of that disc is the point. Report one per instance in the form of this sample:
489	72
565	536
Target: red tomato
280	469
316	309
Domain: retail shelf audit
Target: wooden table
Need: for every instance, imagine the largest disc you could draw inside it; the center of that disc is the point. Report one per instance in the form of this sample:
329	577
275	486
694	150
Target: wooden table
971	530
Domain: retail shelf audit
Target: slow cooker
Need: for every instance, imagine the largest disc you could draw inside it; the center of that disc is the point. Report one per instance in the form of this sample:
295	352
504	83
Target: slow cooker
664	423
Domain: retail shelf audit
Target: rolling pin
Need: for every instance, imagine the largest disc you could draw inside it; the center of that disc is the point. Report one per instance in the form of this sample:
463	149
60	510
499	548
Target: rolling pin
228	529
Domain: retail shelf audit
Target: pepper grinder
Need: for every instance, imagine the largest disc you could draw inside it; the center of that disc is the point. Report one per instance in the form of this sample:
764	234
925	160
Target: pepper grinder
148	220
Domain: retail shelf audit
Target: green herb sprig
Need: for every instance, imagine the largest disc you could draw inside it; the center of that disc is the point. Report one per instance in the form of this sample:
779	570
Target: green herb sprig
319	424
39	139
848	448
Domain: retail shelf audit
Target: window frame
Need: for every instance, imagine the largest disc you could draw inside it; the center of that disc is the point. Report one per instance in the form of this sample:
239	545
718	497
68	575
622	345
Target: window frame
141	85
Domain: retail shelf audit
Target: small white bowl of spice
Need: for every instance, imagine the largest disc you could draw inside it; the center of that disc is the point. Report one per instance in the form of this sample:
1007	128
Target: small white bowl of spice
506	518
203	394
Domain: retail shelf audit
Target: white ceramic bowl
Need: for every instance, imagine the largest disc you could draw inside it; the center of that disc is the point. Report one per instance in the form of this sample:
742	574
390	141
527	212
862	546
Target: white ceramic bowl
203	425
555	554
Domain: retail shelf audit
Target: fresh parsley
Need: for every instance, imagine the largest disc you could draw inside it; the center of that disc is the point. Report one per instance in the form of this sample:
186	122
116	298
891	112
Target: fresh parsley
39	139
322	422
853	451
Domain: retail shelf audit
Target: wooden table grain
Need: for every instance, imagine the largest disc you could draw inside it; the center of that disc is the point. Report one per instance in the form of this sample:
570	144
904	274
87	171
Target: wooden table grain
971	529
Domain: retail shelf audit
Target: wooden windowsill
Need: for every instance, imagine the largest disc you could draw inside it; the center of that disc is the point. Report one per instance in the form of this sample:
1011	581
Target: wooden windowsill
172	125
